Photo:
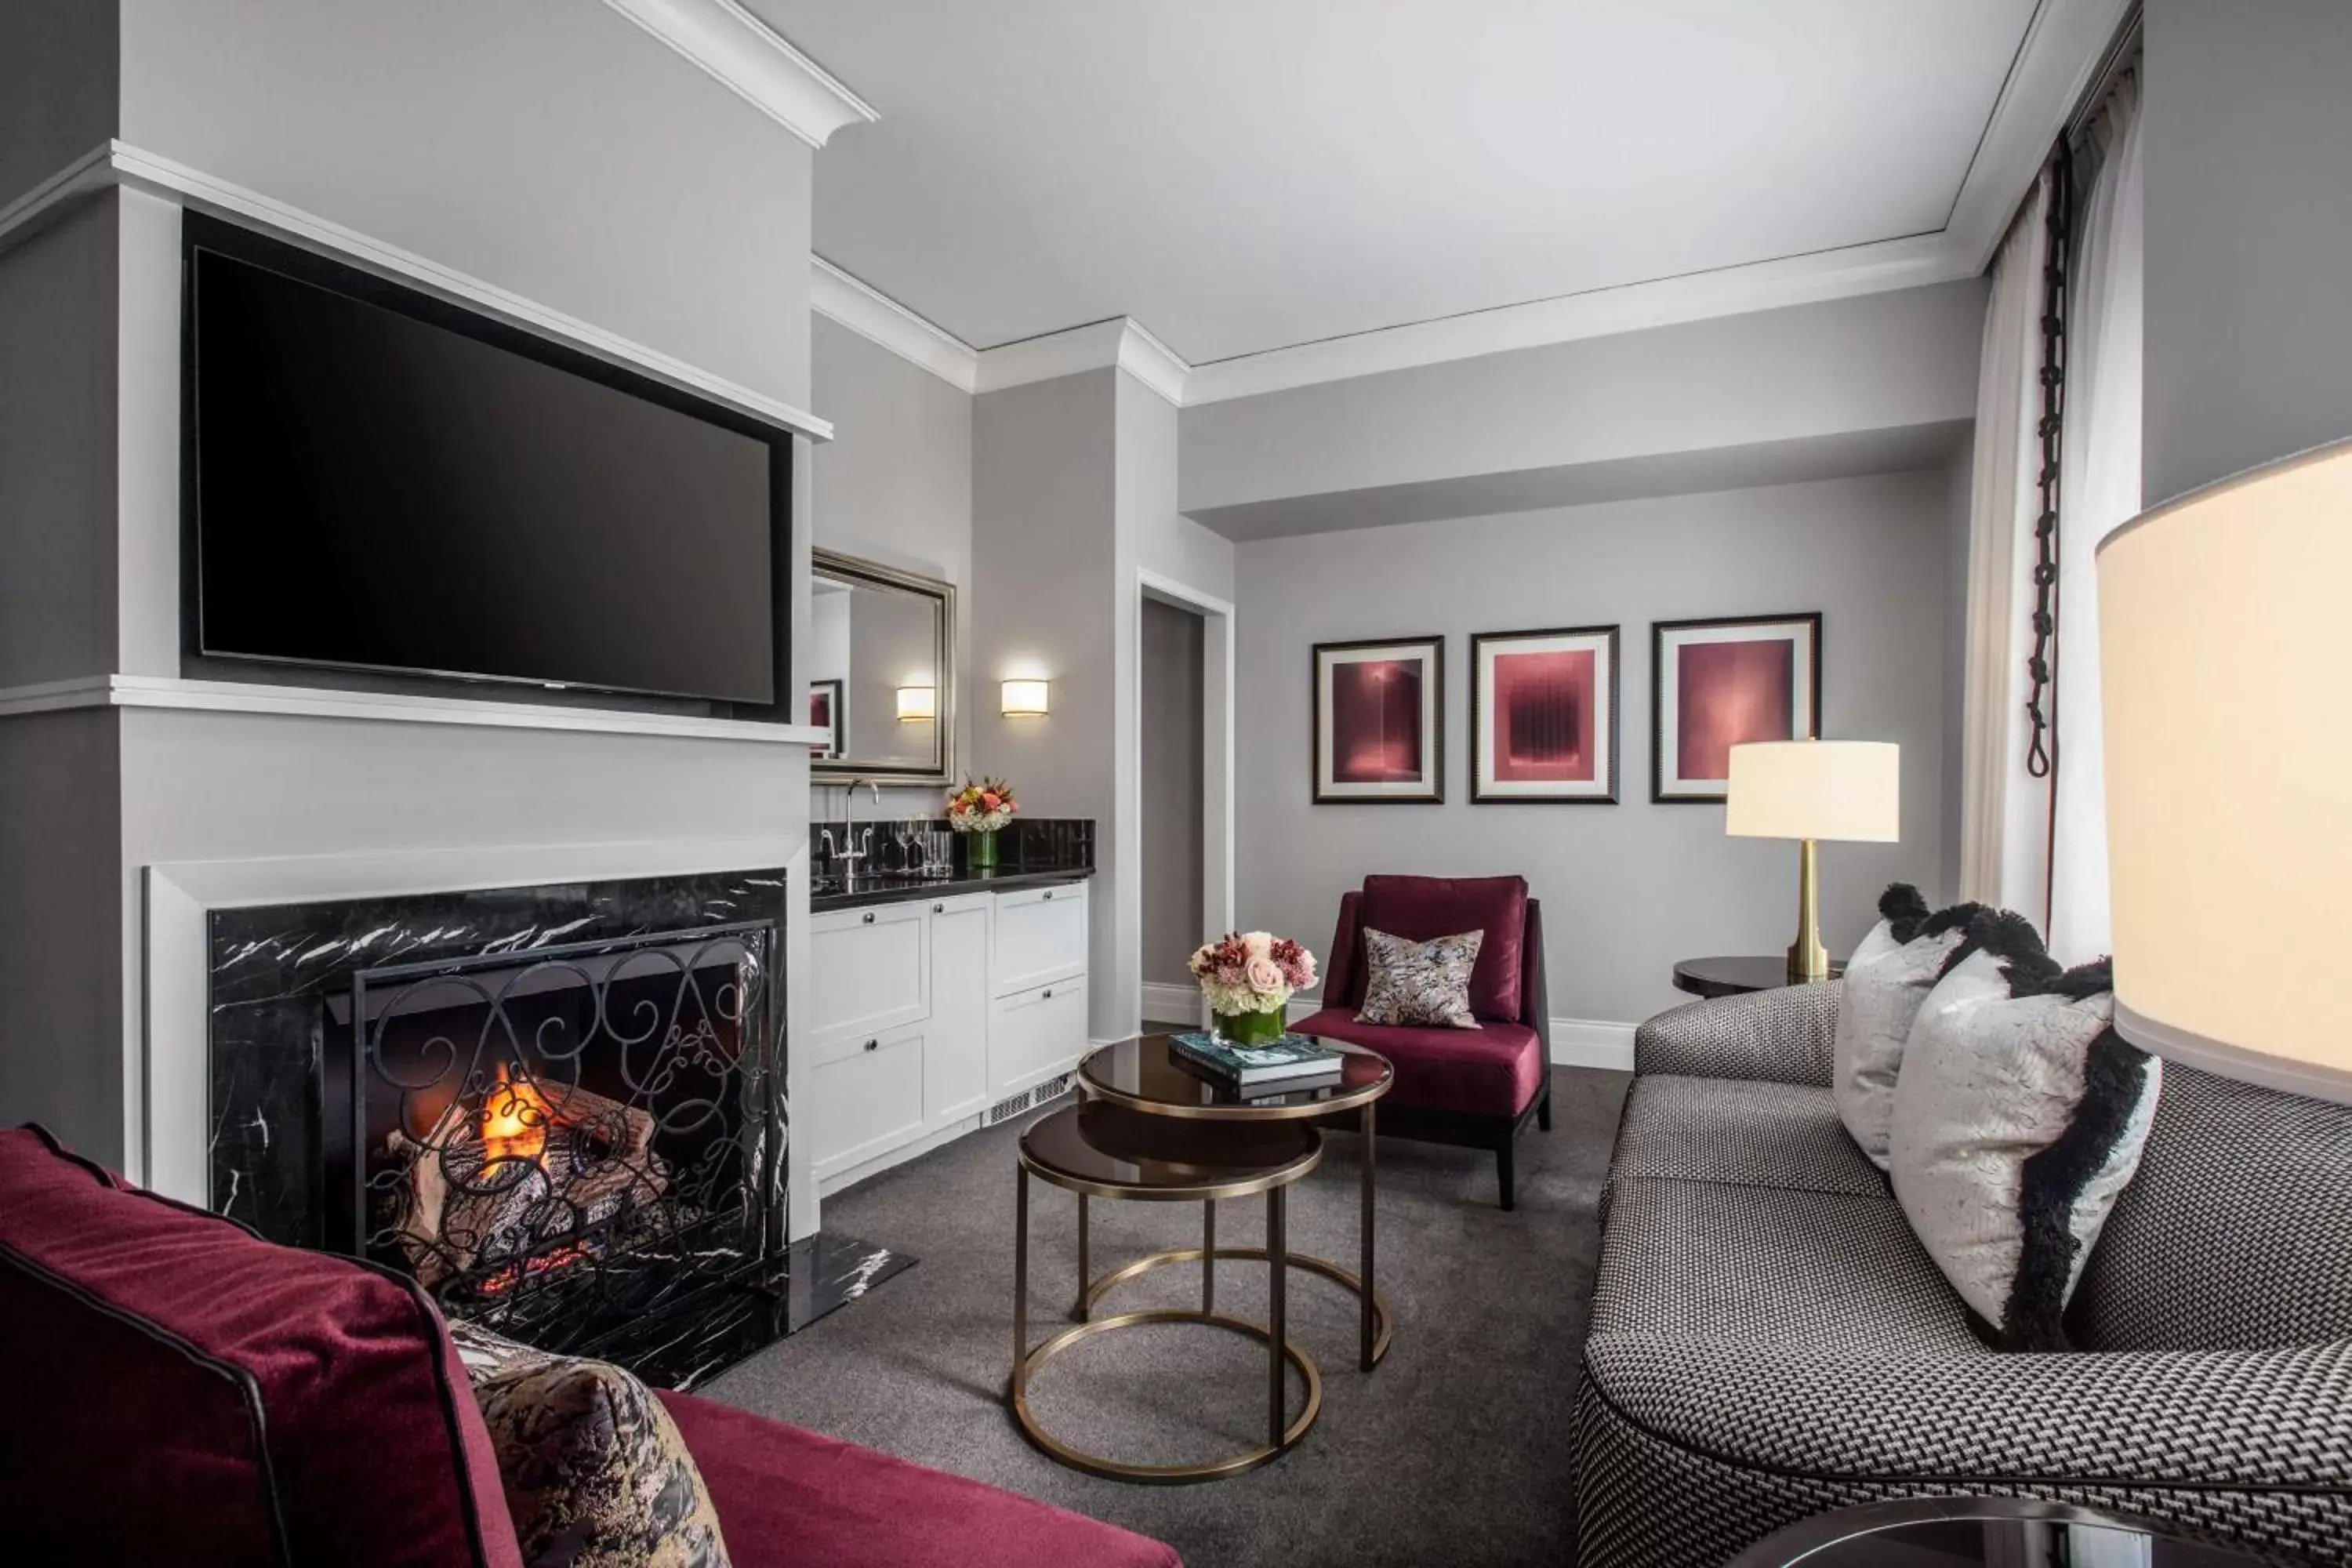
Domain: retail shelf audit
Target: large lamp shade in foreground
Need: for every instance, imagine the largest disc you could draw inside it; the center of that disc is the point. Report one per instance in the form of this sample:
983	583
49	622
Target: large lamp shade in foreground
1812	790
2225	642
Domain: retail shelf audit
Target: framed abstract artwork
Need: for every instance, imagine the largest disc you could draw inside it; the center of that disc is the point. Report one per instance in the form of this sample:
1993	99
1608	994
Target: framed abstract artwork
1379	721
1543	716
1714	684
824	712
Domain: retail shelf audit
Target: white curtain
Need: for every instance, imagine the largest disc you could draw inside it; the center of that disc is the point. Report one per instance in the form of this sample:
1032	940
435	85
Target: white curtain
2005	812
2100	491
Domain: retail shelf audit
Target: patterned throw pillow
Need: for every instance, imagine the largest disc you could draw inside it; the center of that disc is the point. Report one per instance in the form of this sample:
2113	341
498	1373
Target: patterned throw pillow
595	1473
1886	980
1419	982
2020	1115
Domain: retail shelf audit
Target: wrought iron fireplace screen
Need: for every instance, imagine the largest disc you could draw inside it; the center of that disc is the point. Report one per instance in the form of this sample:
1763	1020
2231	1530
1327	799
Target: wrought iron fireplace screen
563	1141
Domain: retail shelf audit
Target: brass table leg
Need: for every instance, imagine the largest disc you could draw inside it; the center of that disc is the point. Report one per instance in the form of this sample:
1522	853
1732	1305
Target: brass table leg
1086	1267
1366	1287
1278	1278
1021	1283
1208	1255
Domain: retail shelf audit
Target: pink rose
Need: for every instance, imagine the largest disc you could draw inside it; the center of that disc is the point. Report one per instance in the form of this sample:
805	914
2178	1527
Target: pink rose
988	799
1264	976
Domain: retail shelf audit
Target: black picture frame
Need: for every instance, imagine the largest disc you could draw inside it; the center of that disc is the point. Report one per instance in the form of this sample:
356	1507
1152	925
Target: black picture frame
835	719
1325	788
1607	735
1660	632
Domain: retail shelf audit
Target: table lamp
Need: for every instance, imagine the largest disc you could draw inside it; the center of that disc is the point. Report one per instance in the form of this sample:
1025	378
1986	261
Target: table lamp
2224	646
1809	790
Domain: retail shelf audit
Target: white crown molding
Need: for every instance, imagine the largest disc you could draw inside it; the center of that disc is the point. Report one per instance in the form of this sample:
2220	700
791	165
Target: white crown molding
755	62
875	316
117	164
315	702
1097	346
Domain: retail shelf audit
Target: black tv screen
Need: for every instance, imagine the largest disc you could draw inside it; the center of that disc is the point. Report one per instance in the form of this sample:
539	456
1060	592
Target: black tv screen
382	480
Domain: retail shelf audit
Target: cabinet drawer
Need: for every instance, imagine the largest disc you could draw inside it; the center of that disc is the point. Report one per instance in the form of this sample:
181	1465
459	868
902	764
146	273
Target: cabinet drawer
869	969
1041	935
868	1099
1033	1035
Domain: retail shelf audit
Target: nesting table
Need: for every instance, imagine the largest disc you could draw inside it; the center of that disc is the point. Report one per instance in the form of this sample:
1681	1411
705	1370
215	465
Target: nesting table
1151	1128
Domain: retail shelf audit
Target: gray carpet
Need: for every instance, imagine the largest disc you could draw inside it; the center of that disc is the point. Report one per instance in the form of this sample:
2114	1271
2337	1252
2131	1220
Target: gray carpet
1457	1451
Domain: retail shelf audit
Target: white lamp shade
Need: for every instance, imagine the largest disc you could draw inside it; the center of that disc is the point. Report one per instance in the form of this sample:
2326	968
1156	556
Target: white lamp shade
1024	699
917	703
1849	789
2225	651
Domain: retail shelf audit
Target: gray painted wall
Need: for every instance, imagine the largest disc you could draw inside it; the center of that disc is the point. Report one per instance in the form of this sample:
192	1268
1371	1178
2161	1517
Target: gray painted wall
894	485
1173	799
1627	888
1882	363
56	449
554	149
2249	223
58	87
61	1059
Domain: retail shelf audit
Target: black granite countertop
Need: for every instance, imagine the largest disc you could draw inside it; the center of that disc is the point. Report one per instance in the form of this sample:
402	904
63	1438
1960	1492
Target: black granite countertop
834	892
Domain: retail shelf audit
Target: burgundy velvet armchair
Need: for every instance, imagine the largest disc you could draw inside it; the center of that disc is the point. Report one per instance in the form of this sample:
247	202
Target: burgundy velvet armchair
1474	1088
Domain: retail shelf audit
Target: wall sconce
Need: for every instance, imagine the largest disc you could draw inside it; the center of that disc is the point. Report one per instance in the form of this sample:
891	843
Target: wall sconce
1023	699
917	703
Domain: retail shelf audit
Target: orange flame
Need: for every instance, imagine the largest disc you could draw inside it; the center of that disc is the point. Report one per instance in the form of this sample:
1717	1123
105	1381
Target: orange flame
514	1119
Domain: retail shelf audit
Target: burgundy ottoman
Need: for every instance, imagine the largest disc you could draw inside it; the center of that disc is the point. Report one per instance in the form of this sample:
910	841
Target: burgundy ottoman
791	1498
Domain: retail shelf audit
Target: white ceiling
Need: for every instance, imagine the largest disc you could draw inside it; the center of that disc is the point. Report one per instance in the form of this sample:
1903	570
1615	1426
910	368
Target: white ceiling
1243	175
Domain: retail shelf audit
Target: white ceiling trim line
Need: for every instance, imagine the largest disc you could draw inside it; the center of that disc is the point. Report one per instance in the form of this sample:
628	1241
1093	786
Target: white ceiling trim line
755	62
1097	346
875	316
117	164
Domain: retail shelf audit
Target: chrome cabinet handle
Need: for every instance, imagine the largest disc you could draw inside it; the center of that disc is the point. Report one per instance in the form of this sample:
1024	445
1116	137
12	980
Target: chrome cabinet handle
1049	893
938	908
869	917
873	1045
1049	994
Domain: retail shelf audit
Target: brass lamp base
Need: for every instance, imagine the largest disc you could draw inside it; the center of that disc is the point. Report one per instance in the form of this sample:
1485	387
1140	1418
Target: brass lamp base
1808	959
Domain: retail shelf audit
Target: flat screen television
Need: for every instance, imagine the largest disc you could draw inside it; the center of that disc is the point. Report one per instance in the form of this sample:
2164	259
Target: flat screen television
378	479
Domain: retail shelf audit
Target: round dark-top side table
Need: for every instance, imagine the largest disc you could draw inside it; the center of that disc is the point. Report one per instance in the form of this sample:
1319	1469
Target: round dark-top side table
1975	1530
1737	976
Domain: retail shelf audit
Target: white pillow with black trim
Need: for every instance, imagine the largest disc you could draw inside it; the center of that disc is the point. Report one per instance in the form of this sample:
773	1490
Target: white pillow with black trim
2020	1115
1886	980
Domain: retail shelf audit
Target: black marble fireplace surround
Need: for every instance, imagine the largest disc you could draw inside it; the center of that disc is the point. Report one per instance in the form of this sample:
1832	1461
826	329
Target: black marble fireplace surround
349	1038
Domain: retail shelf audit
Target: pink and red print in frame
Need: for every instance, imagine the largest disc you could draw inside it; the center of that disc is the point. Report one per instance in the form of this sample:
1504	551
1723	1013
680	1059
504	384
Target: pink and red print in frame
1380	720
1543	716
1714	684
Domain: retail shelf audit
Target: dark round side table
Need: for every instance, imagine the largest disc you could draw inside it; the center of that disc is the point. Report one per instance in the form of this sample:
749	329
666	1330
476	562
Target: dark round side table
1737	976
1993	1531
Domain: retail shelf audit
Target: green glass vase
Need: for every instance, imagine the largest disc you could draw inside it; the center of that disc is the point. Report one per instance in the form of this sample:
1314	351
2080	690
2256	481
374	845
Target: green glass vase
979	850
1249	1028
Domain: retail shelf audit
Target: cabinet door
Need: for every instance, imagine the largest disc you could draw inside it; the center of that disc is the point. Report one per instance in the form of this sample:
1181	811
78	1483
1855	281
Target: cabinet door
868	1099
1041	935
1034	1035
955	1045
869	971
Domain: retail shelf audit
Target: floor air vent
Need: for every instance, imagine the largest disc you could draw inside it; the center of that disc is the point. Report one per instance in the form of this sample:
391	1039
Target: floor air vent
1028	1100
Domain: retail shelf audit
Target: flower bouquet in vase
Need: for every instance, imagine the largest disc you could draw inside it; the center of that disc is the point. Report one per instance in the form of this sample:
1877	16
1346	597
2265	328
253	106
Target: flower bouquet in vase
981	810
1248	978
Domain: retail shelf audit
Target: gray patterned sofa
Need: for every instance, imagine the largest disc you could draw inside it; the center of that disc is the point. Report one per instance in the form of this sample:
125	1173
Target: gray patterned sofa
1769	1340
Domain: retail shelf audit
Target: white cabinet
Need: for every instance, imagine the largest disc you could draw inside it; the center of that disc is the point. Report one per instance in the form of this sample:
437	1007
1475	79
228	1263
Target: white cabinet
923	1014
1034	1034
871	970
955	1065
1040	936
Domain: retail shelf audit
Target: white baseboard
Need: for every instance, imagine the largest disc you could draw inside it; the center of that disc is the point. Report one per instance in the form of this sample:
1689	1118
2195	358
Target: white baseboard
841	1180
1172	1003
1590	1043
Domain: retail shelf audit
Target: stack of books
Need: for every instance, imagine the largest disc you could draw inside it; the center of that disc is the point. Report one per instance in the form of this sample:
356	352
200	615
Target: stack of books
1287	1066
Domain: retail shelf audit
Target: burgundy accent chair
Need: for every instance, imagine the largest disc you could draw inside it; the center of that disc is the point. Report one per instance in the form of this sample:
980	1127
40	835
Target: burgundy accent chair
175	1389
1478	1087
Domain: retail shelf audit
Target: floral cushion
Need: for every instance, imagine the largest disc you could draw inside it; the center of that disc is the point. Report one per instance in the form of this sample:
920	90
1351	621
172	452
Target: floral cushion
595	1473
1418	983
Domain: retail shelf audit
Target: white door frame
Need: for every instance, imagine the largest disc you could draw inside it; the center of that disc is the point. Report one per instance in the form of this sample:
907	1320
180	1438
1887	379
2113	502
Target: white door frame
1217	704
